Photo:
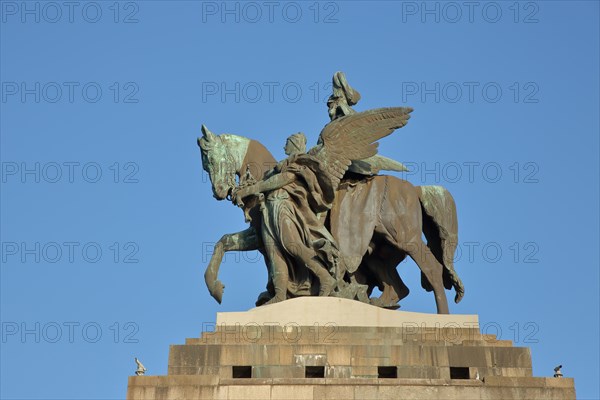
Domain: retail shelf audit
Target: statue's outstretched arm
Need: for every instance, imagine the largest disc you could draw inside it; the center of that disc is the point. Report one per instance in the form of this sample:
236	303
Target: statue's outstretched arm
273	183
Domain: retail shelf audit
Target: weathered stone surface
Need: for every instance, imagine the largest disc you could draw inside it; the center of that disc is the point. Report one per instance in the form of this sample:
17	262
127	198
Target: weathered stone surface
334	311
278	371
338	371
365	371
358	389
310	359
292	392
419	372
202	369
249	392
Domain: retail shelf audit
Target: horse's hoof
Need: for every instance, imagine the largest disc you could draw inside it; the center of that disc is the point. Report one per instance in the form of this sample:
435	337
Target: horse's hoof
263	298
377	302
328	286
274	300
459	296
217	291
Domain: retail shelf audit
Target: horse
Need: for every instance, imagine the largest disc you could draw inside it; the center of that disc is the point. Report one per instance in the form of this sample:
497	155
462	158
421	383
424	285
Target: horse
376	220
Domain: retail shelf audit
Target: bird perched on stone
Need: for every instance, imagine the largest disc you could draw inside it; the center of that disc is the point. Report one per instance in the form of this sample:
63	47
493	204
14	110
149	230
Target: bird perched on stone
141	370
558	372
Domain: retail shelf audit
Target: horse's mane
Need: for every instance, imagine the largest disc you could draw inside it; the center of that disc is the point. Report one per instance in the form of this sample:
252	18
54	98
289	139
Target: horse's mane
259	158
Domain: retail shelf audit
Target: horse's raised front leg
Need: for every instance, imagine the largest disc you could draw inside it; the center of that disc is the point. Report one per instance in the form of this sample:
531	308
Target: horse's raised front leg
245	240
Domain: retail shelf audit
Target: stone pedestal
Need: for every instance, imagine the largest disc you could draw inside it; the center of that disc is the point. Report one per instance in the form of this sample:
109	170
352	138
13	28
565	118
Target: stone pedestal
330	348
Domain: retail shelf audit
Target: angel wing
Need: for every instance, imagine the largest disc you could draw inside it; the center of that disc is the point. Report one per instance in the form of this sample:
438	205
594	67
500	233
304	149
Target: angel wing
354	137
374	164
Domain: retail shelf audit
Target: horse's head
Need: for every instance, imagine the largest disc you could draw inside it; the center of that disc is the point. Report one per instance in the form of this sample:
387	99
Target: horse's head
218	162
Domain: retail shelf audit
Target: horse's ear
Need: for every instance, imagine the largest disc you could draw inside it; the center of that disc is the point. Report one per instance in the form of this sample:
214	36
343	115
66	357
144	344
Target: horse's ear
208	135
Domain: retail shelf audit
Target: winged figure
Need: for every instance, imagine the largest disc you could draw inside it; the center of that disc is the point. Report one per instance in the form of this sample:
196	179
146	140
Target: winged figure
301	188
339	105
352	139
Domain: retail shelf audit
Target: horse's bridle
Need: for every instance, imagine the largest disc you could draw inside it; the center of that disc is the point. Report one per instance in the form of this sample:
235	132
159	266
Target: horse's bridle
230	178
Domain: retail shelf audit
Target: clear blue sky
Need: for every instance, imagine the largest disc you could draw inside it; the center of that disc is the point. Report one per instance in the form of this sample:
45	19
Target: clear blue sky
107	217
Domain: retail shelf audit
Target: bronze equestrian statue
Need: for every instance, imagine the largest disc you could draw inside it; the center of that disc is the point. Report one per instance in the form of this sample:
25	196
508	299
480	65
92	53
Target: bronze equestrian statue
327	214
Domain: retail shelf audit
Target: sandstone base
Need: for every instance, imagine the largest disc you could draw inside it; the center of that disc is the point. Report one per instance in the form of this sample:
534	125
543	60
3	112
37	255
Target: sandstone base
329	348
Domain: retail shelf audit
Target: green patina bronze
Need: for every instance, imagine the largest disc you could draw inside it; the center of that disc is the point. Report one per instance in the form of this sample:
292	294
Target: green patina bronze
324	219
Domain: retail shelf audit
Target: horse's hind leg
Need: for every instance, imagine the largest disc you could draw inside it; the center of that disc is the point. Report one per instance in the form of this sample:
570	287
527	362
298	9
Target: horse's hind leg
392	288
449	247
432	269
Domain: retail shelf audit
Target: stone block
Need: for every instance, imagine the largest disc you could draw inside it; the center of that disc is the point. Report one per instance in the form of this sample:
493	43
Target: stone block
292	392
507	357
249	392
368	392
341	312
184	360
362	351
286	355
419	372
310	349
364	371
338	371
369	362
310	359
460	356
420	355
333	392
278	371
250	355
339	355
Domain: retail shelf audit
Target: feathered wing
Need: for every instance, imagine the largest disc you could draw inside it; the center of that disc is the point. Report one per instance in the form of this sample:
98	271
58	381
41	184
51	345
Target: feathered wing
354	137
374	164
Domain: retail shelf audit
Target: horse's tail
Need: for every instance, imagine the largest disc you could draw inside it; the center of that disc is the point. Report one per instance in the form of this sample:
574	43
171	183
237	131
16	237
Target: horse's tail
440	226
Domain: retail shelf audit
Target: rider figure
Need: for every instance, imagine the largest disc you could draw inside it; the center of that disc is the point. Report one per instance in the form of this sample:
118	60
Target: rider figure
292	232
342	98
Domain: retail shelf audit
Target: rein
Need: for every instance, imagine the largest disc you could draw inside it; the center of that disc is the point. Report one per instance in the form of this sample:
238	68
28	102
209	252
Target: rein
230	166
